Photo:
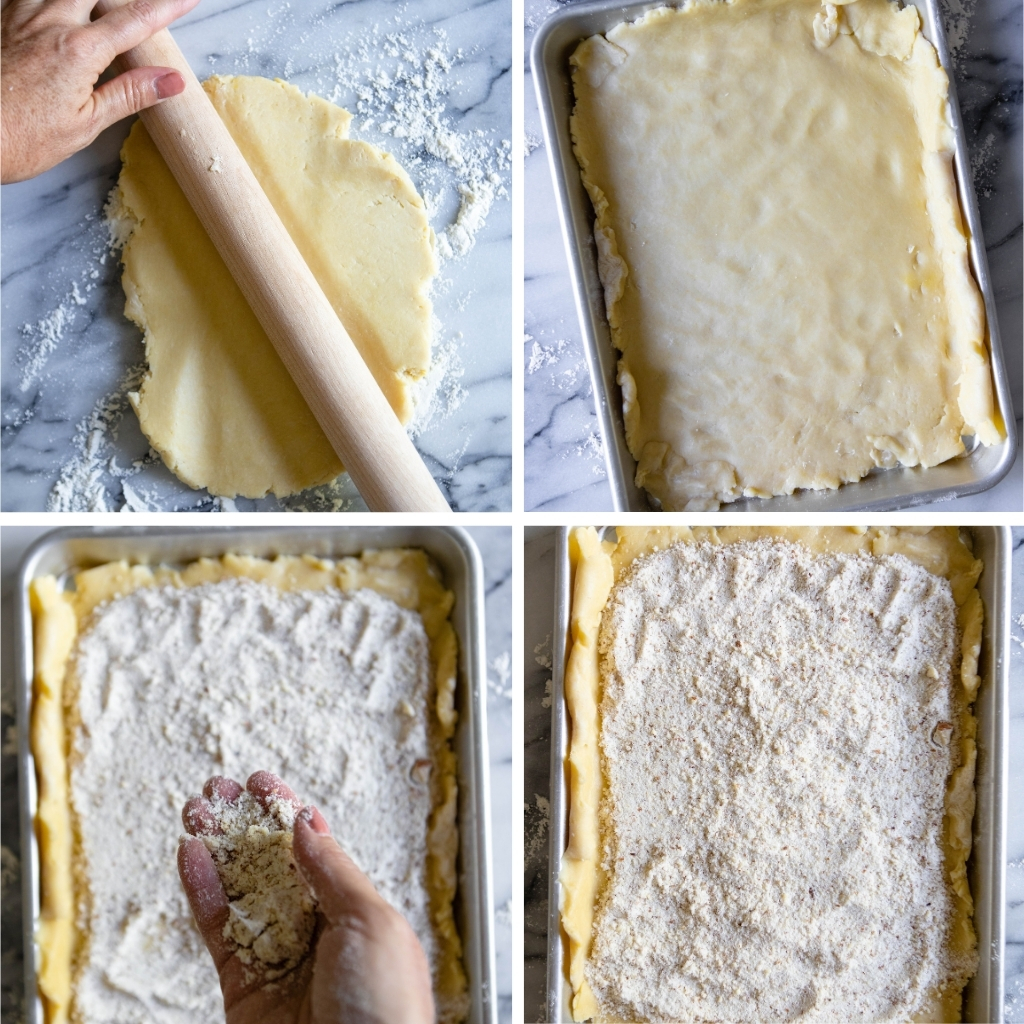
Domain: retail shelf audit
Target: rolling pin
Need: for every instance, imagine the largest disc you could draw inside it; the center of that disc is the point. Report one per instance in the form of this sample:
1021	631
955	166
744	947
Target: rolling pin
287	300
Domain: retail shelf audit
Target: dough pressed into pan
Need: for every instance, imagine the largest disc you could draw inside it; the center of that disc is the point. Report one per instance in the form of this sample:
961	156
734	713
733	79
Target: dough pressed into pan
216	402
362	650
784	264
666	682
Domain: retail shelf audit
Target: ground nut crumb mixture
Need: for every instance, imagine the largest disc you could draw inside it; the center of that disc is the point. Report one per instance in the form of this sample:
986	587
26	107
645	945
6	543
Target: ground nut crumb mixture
777	729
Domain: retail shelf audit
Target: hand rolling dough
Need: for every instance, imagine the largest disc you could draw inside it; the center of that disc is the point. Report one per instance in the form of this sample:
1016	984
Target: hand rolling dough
217	403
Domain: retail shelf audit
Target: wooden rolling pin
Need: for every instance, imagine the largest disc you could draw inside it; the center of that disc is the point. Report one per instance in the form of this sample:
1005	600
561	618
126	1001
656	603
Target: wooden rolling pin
287	300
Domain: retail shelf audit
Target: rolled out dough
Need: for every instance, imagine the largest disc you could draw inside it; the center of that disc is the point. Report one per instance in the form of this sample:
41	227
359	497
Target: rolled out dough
216	401
784	263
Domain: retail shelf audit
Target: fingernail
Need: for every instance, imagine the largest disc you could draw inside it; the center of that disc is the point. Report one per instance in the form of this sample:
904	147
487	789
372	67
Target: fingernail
169	85
315	820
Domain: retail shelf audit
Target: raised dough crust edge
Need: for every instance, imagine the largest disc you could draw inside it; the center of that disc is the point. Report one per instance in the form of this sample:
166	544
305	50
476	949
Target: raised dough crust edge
406	576
598	564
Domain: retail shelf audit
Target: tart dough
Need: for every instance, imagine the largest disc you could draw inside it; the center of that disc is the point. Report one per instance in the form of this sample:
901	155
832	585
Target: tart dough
405	576
597	565
784	264
216	401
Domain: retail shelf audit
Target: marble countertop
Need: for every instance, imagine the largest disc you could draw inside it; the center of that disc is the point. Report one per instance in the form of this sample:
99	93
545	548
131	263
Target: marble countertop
564	454
495	544
539	589
66	346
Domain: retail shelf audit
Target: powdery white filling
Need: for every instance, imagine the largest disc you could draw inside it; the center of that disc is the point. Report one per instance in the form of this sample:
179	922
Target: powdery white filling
328	690
775	786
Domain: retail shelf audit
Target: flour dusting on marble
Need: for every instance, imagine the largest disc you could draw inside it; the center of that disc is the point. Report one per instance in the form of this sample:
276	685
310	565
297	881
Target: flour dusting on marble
542	653
591	448
538	820
81	486
984	165
543	355
501	666
42	338
440	394
1019	621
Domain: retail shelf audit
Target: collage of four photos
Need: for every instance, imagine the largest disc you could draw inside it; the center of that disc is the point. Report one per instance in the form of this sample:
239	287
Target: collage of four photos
614	609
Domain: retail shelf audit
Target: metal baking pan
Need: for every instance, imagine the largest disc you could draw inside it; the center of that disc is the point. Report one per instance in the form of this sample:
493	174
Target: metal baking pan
986	868
881	490
64	552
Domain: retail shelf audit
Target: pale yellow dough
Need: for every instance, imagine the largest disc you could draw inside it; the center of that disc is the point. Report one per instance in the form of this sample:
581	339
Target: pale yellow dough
598	564
783	259
216	402
405	576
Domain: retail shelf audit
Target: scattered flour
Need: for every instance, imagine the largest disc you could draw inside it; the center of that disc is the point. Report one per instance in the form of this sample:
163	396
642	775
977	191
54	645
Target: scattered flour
271	909
983	166
43	337
592	448
440	394
540	356
542	652
501	666
543	355
82	486
1013	636
777	733
170	686
537	823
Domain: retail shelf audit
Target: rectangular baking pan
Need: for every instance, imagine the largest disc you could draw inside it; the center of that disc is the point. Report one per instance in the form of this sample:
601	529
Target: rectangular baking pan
881	490
986	868
63	552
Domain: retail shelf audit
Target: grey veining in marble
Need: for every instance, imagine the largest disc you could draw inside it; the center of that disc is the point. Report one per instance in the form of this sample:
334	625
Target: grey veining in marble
564	464
539	588
495	544
66	346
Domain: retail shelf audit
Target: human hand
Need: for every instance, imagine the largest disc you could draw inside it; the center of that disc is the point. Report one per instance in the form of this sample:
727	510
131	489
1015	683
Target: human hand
365	964
51	56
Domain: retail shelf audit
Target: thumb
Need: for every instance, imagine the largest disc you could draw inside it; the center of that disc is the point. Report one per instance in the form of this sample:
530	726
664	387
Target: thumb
341	889
133	91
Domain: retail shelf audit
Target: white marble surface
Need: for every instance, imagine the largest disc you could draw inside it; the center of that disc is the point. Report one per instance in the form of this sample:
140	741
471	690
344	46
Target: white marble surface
54	243
538	588
564	462
495	544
